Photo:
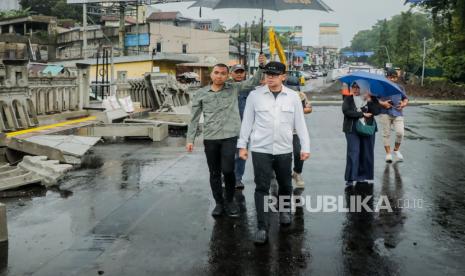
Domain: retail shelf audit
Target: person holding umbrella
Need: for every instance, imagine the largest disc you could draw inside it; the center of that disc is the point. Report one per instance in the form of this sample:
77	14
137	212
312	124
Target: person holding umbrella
219	104
271	114
360	128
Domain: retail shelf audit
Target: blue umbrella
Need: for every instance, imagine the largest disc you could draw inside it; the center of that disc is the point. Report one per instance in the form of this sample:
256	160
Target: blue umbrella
379	85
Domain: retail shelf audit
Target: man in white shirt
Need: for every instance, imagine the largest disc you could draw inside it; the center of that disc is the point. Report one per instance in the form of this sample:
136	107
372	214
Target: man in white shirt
271	114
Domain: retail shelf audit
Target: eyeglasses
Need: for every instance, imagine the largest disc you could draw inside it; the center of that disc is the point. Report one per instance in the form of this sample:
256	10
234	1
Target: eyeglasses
272	76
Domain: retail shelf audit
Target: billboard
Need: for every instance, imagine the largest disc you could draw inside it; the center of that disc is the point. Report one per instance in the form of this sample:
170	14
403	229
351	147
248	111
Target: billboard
130	40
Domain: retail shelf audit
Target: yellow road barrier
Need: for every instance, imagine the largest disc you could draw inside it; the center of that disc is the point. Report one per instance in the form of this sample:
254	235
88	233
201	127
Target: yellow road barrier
69	122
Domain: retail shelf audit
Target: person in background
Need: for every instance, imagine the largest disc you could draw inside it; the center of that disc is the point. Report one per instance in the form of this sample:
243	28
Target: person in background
359	106
219	104
345	91
292	82
271	114
298	162
392	116
238	75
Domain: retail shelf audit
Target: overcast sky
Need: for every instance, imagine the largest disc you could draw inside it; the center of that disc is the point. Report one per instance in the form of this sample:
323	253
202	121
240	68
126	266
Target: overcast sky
352	15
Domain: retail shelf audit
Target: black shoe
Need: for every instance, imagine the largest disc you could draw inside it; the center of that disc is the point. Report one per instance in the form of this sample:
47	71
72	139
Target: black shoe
285	218
260	237
218	210
232	209
239	185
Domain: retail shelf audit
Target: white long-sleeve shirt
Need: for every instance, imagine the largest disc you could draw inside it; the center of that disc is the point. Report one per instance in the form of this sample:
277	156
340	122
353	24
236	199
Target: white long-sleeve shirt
268	122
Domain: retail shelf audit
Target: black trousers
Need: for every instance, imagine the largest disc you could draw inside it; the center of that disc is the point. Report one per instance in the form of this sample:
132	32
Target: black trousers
264	164
298	164
220	158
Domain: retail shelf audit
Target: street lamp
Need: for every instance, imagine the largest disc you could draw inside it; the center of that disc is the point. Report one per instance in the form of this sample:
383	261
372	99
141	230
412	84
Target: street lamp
387	52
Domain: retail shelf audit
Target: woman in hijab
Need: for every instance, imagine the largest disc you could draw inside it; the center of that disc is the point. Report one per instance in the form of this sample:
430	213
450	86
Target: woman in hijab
359	110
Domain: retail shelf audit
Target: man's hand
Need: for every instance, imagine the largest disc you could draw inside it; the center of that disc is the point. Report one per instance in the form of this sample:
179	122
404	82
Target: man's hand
385	104
243	154
190	147
367	115
262	59
308	109
402	105
304	156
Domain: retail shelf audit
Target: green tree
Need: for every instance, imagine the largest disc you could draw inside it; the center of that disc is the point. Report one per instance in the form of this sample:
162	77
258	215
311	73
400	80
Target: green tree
449	36
364	41
381	54
14	13
405	49
58	8
402	36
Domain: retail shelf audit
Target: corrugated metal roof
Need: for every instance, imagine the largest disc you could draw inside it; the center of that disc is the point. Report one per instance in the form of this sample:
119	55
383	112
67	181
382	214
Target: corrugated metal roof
161	16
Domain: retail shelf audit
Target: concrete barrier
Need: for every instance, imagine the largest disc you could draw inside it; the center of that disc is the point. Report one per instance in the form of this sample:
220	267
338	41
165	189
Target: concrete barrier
3	228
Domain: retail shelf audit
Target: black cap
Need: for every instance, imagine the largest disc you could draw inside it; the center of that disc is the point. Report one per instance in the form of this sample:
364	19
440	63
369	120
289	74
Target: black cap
236	67
274	67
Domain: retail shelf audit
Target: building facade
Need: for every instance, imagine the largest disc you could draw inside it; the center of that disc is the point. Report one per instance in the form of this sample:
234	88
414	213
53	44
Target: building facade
207	46
330	36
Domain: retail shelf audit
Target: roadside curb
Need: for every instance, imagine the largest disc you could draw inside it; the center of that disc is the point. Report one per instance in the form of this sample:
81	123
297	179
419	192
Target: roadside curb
411	103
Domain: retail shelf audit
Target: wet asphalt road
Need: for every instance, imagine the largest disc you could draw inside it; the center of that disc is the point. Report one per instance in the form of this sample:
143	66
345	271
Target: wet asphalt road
146	211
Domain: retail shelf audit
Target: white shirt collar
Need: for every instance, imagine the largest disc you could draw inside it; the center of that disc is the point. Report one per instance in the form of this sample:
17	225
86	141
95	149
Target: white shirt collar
266	89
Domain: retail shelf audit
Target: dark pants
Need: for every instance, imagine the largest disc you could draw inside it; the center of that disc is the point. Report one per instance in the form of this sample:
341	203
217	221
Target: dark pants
239	167
264	164
220	159
298	164
360	157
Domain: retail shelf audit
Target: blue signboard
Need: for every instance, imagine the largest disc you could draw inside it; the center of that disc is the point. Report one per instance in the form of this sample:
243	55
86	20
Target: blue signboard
358	54
300	53
130	40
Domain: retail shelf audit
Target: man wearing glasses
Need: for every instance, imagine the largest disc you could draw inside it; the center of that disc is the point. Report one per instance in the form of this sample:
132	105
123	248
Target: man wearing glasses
271	114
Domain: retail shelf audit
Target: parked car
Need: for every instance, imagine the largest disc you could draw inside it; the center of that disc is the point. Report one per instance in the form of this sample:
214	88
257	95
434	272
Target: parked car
306	75
319	73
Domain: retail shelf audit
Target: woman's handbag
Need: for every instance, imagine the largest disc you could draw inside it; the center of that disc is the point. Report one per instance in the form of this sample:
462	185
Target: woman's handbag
365	129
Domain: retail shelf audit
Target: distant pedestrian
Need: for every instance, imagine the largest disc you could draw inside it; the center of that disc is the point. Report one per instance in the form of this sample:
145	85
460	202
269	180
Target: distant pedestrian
271	114
219	104
392	116
360	128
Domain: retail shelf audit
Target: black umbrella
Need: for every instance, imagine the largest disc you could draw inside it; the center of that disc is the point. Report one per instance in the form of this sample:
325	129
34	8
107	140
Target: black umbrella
275	5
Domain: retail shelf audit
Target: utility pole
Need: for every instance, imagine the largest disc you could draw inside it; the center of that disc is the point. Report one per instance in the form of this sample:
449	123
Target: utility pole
137	27
424	59
240	45
246	59
251	56
121	28
84	31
